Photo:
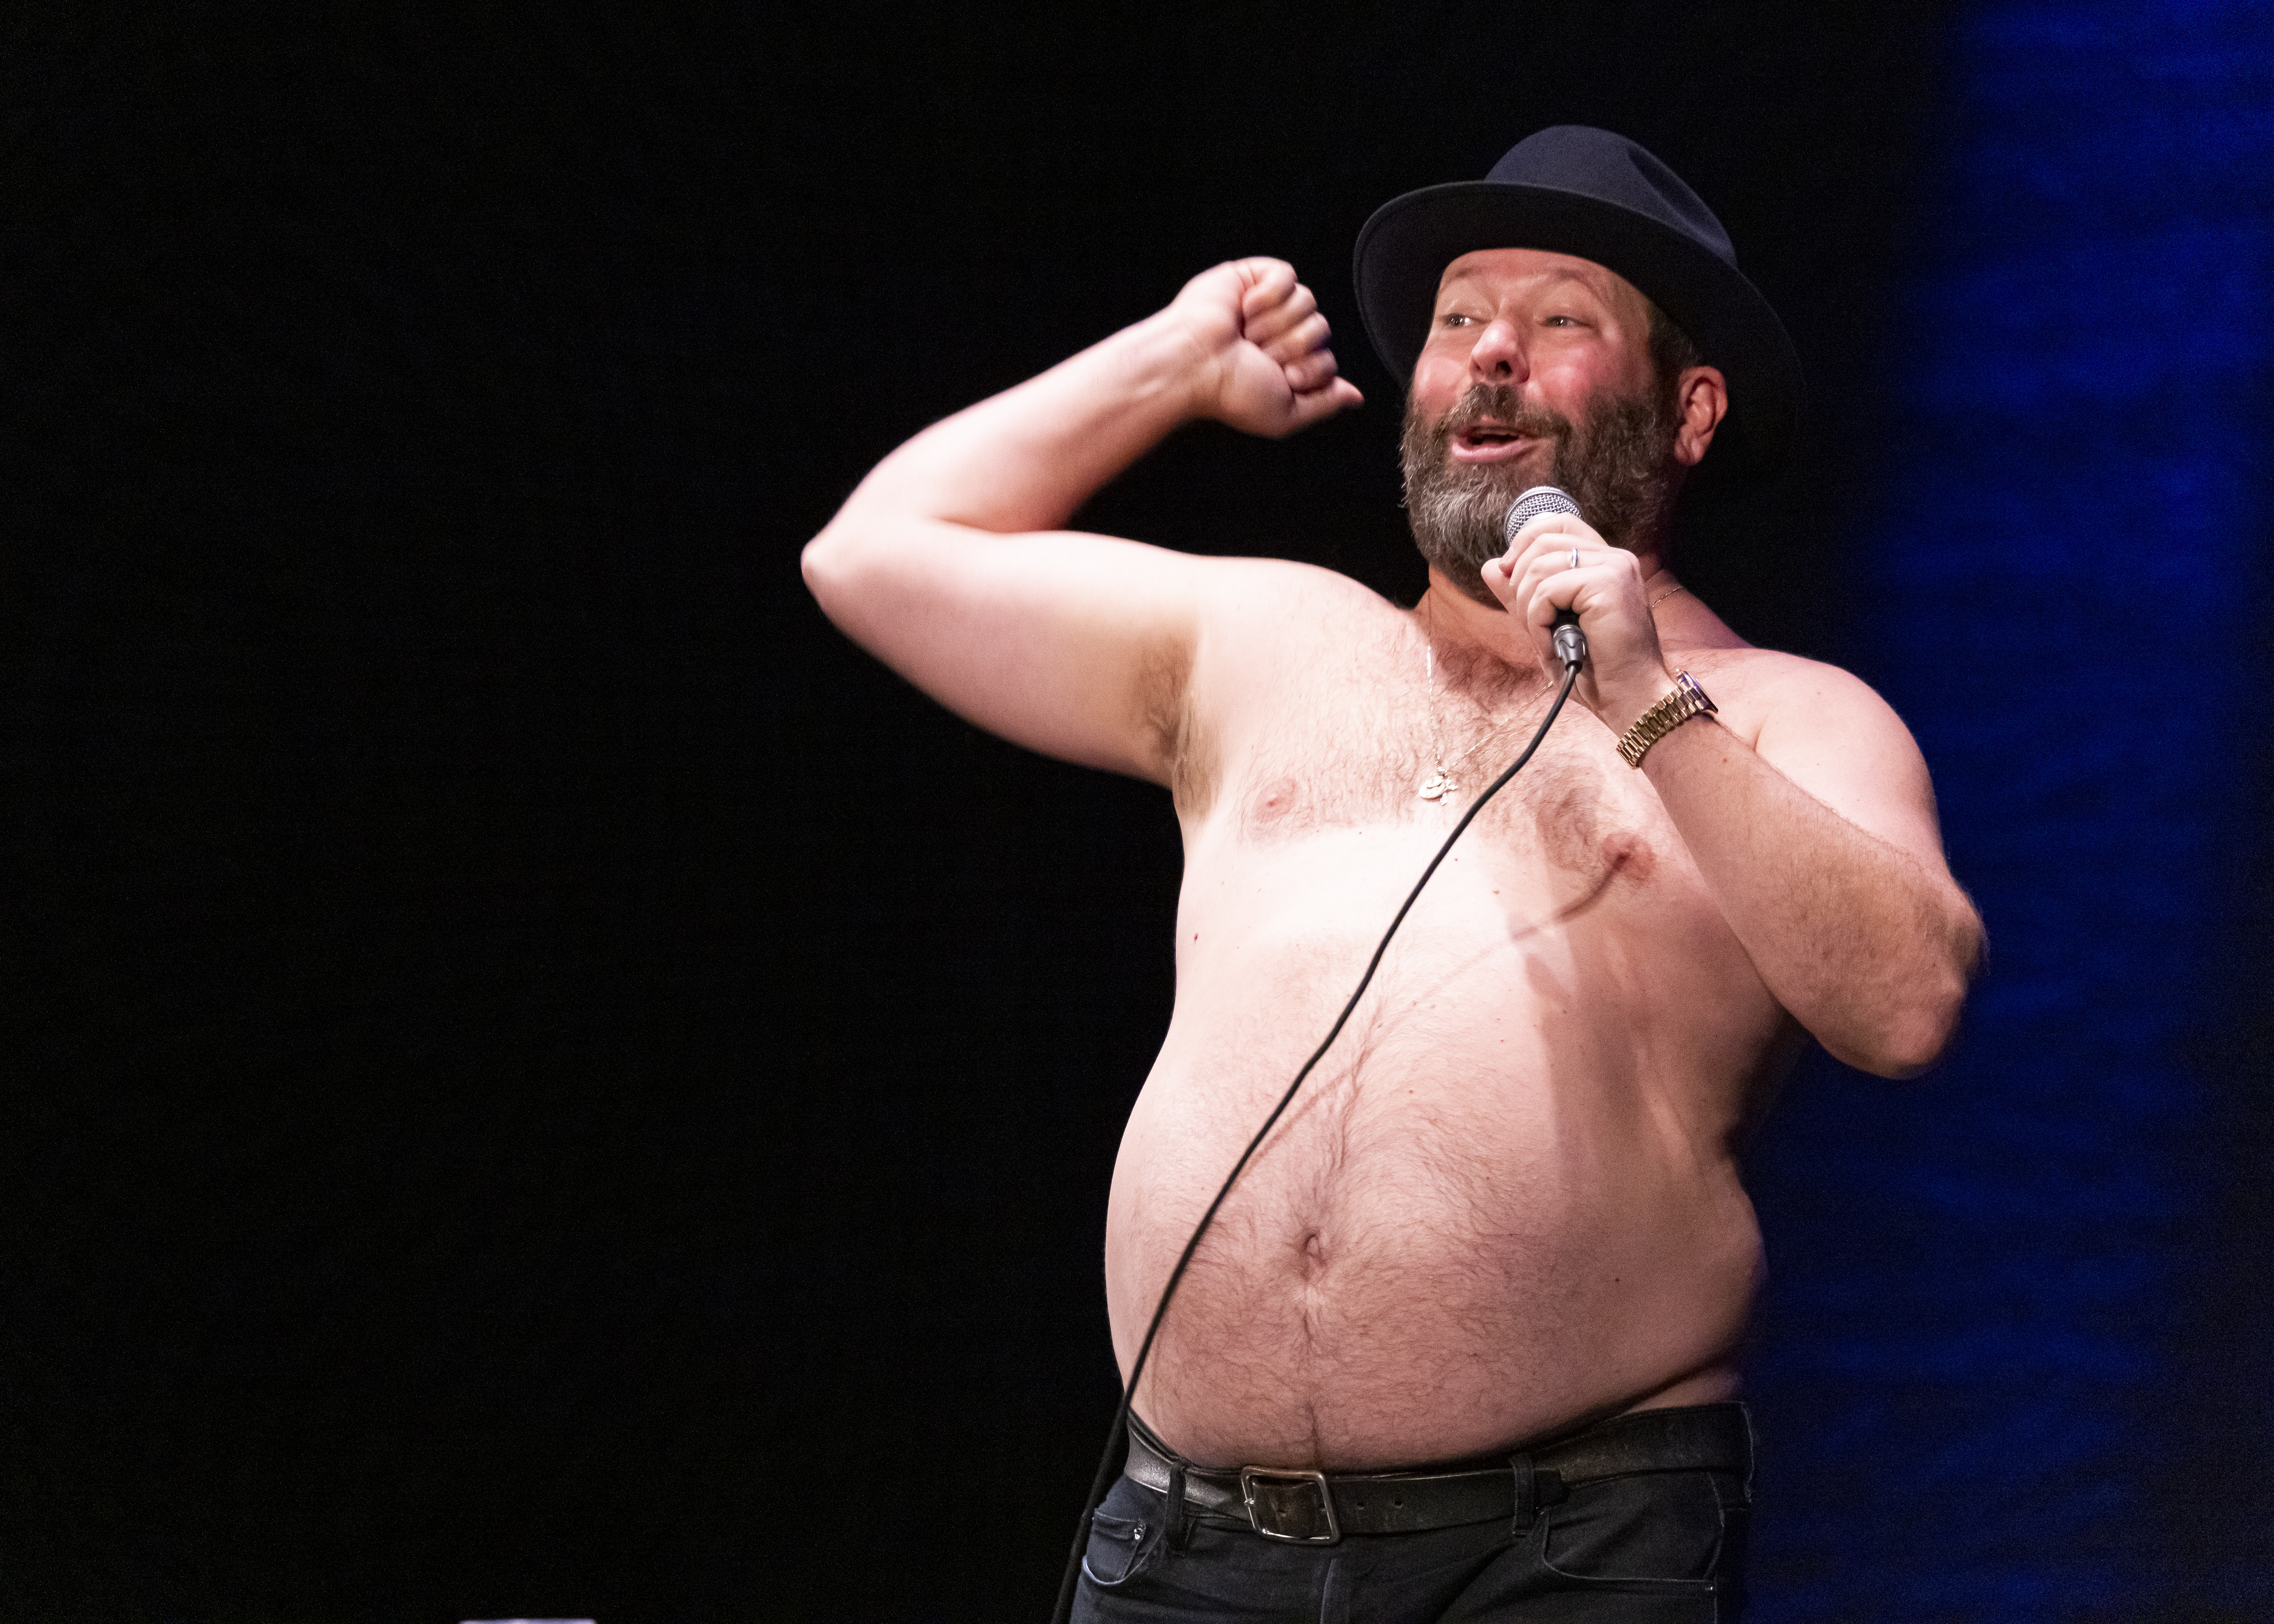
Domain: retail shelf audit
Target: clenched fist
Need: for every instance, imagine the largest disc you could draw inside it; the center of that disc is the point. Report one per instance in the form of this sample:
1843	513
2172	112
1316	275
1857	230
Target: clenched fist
1261	360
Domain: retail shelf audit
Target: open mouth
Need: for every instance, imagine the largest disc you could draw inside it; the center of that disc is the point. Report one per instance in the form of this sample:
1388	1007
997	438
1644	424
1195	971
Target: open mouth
1489	442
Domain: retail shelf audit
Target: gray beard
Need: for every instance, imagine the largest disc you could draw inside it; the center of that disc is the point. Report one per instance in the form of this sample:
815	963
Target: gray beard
1621	470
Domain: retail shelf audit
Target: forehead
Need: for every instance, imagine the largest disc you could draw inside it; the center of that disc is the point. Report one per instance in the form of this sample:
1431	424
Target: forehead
1497	273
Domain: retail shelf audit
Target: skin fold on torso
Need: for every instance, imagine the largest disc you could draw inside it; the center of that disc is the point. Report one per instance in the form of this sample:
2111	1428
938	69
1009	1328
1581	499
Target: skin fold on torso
1507	1202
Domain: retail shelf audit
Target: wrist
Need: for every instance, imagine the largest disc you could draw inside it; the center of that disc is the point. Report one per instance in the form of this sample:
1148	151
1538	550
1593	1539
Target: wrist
1620	708
1170	359
1683	703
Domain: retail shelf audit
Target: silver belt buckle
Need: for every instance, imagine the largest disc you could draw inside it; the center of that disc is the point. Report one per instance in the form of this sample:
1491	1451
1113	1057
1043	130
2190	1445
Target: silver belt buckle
1263	1514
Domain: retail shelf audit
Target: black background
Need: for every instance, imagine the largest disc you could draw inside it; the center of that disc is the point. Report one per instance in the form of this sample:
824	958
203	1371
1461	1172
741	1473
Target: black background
542	1080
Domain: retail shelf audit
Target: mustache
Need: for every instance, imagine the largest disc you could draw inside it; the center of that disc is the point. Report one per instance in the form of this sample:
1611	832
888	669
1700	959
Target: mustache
1502	405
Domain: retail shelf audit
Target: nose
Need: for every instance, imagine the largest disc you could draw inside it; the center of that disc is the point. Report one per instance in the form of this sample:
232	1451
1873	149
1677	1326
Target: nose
1498	355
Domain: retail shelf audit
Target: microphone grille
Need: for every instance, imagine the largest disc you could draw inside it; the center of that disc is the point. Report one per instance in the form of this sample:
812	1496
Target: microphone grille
1538	500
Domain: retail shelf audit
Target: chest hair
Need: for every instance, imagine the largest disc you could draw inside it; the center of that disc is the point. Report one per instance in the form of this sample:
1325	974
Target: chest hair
1350	747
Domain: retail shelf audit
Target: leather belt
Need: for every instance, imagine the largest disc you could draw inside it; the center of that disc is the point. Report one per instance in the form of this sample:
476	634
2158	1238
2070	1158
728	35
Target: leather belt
1312	1507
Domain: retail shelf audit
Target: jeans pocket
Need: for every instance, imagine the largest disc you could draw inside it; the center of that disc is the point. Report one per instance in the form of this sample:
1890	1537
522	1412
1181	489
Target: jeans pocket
1656	1528
1120	1548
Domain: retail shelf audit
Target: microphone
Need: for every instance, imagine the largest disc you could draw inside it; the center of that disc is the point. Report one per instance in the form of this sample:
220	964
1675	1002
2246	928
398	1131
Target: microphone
1570	642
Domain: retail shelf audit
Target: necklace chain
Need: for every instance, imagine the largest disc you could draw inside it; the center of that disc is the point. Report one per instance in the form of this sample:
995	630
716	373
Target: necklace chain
1441	786
1441	783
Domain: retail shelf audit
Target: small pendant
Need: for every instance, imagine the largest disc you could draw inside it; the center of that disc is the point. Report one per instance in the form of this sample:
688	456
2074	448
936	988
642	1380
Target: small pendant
1438	783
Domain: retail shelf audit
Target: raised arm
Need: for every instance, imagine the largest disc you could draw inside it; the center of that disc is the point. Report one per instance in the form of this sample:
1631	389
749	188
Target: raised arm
946	562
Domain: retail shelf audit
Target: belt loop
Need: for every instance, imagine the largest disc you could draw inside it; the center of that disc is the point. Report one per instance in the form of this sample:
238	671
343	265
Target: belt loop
1173	1512
1527	1493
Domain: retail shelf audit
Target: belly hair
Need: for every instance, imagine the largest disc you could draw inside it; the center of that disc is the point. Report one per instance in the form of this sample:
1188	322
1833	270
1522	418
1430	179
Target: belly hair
1349	1197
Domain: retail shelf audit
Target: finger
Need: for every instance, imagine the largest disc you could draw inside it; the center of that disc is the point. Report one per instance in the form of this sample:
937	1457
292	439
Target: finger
1500	581
1554	550
1310	372
1530	568
1548	600
1283	341
1319	404
1520	600
1553	524
1546	552
1268	281
1584	591
1303	338
1268	324
1550	576
1605	575
1533	587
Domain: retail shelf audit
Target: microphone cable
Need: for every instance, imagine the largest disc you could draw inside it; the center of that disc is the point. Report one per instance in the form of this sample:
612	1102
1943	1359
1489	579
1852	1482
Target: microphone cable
1108	1465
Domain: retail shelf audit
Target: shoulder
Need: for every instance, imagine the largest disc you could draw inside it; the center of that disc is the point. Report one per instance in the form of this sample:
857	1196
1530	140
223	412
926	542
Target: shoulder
1828	732
1760	690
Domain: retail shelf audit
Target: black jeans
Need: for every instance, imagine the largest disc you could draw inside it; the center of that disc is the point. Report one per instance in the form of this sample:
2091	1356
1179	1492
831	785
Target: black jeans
1643	1547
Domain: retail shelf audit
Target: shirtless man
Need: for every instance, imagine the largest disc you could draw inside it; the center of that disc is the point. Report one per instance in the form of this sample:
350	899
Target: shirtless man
1478	1299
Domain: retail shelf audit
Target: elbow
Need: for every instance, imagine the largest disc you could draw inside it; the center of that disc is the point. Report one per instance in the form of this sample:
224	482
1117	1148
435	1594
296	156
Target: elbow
1920	1035
1905	1040
1921	1022
825	567
818	561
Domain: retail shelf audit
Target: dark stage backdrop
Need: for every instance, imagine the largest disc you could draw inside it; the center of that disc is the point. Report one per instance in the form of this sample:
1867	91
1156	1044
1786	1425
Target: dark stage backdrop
540	1081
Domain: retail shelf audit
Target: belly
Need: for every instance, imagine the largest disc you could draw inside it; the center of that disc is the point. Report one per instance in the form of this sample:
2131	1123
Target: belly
1506	1200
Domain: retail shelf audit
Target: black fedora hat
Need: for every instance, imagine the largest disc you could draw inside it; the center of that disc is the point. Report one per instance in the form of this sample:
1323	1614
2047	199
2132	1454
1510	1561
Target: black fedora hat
1588	192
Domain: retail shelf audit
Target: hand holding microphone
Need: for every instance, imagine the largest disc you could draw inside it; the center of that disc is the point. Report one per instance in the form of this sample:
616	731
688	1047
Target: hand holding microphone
1558	573
1538	502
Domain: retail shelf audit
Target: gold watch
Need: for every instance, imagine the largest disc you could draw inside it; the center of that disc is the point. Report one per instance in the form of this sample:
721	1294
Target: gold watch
1687	700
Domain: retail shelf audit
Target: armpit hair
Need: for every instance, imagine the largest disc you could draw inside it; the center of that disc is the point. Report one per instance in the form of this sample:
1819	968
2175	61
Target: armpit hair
1168	715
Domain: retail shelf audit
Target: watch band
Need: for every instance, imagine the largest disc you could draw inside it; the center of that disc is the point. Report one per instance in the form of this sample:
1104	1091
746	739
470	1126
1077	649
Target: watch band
1687	700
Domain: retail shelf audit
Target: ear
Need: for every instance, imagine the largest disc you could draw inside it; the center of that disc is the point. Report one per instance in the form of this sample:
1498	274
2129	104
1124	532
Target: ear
1701	399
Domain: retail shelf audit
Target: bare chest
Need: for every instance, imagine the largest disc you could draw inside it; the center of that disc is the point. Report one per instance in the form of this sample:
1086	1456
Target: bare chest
1379	746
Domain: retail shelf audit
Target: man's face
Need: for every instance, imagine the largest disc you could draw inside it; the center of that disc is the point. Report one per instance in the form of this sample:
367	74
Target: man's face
1537	371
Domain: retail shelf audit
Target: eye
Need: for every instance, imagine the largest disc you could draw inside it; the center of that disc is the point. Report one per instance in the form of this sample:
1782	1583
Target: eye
1454	319
1561	321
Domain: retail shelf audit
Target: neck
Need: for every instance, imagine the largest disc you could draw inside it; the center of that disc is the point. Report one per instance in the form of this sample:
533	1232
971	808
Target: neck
1458	623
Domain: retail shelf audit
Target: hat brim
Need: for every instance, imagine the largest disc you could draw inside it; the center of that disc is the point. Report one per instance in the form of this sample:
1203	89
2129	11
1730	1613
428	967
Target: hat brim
1403	251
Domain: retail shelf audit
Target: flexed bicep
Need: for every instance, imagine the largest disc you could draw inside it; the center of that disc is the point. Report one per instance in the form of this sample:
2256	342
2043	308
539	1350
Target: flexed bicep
949	564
